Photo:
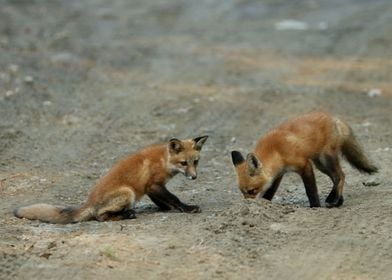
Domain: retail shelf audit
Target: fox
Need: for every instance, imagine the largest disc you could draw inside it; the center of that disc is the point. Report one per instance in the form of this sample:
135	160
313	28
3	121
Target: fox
145	172
313	139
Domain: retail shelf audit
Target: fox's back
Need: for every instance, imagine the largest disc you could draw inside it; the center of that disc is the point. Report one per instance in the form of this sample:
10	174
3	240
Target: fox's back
137	170
303	137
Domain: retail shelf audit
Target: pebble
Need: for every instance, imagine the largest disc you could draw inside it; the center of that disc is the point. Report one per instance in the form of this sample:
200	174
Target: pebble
13	68
64	58
5	77
371	183
28	79
278	227
9	93
244	211
70	120
290	24
374	92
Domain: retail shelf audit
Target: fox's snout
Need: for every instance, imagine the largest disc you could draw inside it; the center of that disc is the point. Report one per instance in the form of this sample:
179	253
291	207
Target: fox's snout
191	175
250	194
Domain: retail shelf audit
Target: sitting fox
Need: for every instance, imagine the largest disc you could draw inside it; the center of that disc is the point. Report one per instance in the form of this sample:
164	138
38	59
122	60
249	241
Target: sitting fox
145	172
316	138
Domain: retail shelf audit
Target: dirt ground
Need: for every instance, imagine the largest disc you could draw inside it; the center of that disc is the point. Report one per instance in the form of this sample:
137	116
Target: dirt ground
85	83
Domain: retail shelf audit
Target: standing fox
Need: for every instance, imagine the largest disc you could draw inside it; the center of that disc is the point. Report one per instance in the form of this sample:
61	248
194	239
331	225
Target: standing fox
145	172
314	137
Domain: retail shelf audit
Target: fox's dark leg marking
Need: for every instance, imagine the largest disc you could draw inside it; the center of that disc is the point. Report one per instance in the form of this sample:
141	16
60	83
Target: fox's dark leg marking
117	216
128	214
269	194
307	176
163	206
330	166
166	200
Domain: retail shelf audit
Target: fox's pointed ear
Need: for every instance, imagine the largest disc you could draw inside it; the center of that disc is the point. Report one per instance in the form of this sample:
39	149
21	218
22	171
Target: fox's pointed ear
199	142
175	146
237	158
253	164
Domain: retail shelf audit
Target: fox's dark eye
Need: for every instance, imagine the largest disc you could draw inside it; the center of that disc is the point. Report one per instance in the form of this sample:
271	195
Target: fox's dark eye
183	163
196	162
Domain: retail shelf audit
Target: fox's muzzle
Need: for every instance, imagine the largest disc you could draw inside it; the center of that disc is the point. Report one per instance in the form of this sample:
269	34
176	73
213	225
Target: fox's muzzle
191	173
252	195
248	196
191	176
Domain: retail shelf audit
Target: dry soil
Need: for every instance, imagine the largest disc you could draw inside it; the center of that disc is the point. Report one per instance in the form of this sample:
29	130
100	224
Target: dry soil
85	83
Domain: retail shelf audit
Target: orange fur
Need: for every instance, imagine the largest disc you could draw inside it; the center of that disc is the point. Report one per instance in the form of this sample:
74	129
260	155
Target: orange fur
144	172
316	138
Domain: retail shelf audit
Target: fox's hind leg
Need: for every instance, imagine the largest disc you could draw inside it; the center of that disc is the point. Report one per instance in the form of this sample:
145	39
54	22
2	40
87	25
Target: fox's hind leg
330	166
117	206
117	216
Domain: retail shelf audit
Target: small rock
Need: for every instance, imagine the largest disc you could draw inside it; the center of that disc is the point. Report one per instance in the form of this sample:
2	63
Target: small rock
47	103
9	93
70	120
184	110
290	24
233	140
374	92
244	211
278	227
28	79
64	58
13	68
45	255
52	245
371	183
5	77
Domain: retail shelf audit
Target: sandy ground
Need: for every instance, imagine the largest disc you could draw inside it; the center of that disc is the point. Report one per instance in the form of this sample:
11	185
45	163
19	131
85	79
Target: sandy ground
84	83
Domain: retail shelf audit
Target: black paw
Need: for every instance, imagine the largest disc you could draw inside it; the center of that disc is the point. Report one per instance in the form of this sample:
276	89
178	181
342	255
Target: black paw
129	214
337	202
333	199
191	209
315	204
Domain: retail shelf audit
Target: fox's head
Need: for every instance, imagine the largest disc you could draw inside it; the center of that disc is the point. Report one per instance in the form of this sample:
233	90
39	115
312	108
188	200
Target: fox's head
184	155
251	179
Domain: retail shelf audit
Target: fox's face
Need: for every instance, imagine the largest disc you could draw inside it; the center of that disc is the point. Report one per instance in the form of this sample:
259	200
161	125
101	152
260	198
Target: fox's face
251	179
184	156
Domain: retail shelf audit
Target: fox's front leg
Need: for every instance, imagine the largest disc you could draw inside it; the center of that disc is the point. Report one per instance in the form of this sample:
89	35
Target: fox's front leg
167	201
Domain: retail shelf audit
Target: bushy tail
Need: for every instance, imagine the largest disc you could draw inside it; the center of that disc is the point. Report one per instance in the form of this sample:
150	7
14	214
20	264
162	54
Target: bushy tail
55	214
352	151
